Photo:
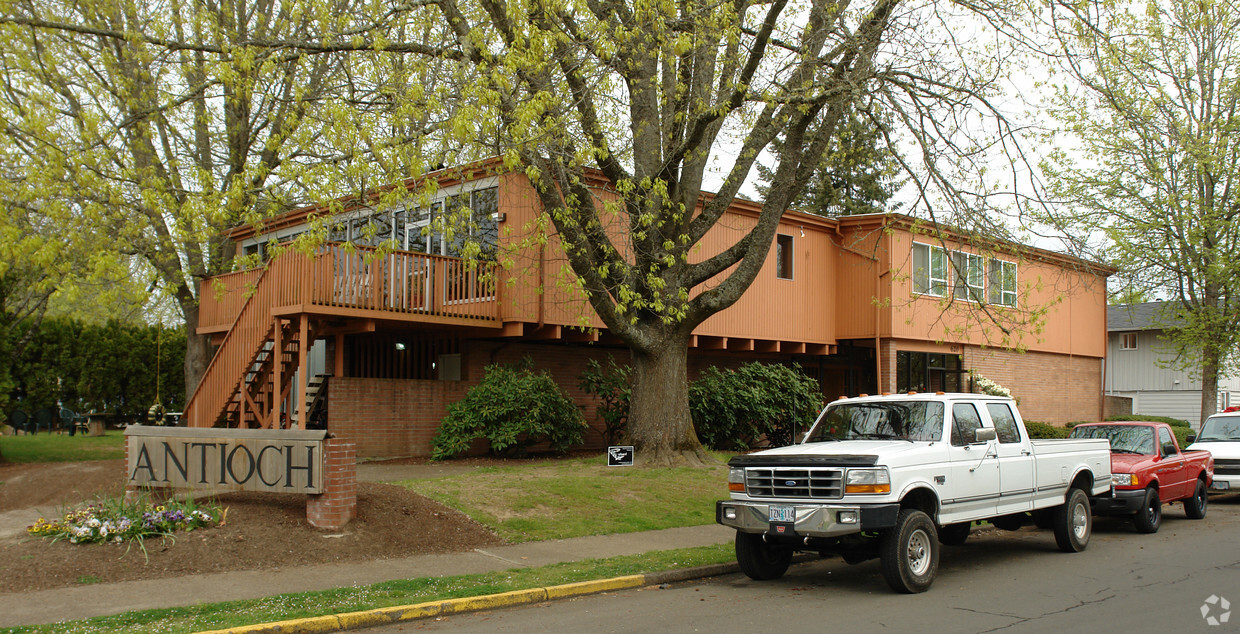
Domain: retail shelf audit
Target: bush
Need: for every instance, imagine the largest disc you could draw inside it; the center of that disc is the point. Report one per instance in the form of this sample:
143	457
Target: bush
513	409
735	410
1174	422
1045	430
614	390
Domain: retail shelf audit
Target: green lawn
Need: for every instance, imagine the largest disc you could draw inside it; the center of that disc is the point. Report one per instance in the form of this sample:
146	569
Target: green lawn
582	496
47	447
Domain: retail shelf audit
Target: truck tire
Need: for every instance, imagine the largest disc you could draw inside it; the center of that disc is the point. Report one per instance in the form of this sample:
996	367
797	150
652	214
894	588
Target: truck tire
955	534
909	552
759	560
1149	517
1073	522
1195	506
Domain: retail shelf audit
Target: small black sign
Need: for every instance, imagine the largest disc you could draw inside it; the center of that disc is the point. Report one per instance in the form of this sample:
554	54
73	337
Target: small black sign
620	456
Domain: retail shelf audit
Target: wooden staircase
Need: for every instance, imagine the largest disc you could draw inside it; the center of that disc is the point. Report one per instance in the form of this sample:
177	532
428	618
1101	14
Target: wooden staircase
252	372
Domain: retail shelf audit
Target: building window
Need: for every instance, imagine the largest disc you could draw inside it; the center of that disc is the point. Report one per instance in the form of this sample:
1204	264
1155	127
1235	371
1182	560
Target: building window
970	276
1128	341
1002	283
929	372
929	270
446	227
783	257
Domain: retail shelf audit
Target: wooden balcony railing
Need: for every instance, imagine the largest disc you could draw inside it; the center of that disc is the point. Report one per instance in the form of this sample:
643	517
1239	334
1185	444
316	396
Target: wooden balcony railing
358	277
339	279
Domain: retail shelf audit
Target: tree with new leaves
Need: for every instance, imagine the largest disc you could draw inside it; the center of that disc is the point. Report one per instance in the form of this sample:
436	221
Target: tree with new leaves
622	114
651	97
1153	98
162	125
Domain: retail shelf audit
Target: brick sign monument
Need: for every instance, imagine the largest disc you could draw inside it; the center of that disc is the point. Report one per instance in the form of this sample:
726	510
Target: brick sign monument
275	461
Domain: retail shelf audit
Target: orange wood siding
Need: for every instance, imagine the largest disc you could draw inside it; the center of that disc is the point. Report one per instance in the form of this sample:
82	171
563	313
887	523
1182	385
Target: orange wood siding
773	309
1061	306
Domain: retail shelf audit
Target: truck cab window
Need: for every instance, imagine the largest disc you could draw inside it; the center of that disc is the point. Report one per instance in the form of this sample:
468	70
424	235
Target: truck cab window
964	421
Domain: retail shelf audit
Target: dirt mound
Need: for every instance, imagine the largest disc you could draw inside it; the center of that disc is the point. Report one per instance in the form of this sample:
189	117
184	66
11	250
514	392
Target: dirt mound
262	531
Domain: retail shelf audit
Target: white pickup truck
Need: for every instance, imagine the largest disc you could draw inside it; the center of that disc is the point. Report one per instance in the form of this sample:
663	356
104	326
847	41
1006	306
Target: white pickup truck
893	476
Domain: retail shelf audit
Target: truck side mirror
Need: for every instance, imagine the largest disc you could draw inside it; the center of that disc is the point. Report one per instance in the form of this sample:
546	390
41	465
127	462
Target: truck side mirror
1190	439
984	434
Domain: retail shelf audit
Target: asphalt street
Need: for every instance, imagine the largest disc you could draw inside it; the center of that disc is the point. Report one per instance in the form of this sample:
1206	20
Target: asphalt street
1175	580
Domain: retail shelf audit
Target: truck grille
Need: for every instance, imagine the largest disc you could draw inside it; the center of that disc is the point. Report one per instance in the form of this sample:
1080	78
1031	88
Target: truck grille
1226	467
806	483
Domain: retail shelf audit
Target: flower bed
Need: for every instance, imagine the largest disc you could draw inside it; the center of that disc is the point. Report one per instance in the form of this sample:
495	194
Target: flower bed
114	520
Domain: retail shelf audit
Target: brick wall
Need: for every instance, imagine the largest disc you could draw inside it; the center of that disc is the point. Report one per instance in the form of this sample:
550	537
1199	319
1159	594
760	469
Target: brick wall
1052	388
337	504
388	418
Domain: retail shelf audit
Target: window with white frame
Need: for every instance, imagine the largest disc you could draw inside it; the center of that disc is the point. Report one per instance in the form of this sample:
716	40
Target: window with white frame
970	275
1002	282
1128	341
930	266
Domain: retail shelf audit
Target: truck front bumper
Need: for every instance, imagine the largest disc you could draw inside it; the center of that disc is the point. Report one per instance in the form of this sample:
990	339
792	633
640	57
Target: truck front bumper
812	520
1118	502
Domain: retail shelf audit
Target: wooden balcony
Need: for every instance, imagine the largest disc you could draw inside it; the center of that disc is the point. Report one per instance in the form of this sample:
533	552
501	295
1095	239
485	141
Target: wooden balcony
349	281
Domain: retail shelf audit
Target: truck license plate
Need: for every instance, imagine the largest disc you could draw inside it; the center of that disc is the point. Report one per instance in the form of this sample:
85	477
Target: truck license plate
783	513
1221	486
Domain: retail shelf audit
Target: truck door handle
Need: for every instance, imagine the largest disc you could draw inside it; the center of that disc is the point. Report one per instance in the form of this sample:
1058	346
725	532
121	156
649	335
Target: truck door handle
1026	452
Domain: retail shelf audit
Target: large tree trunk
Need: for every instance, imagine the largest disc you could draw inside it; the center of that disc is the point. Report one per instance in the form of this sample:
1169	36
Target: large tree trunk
660	426
197	350
1209	383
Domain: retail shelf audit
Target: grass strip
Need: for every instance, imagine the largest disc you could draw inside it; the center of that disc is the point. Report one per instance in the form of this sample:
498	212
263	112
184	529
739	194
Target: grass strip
283	607
47	447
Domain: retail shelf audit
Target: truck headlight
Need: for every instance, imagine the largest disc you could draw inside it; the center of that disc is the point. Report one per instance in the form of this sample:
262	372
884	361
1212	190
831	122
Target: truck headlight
736	480
1125	479
867	481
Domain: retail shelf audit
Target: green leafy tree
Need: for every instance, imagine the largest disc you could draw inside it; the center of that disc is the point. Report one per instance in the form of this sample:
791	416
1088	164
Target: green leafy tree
650	102
160	126
1153	99
858	174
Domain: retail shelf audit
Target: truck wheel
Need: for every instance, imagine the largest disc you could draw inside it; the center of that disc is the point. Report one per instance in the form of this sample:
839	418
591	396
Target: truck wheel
909	552
759	560
1073	522
954	534
1149	516
1195	507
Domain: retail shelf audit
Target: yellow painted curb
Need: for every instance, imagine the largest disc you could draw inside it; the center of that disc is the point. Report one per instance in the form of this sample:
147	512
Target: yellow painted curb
383	616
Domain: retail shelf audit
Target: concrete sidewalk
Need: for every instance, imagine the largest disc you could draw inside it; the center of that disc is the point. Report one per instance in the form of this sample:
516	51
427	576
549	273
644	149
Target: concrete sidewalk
32	608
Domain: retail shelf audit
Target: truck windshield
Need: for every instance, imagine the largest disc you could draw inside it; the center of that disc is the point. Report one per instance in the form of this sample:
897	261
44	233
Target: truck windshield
1220	428
917	420
1124	438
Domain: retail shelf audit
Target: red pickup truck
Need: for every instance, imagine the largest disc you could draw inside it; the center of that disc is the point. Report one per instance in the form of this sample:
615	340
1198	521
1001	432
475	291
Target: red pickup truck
1148	469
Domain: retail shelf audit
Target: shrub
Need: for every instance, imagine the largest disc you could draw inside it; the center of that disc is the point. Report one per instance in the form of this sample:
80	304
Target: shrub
1045	430
614	389
735	410
513	408
1174	422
